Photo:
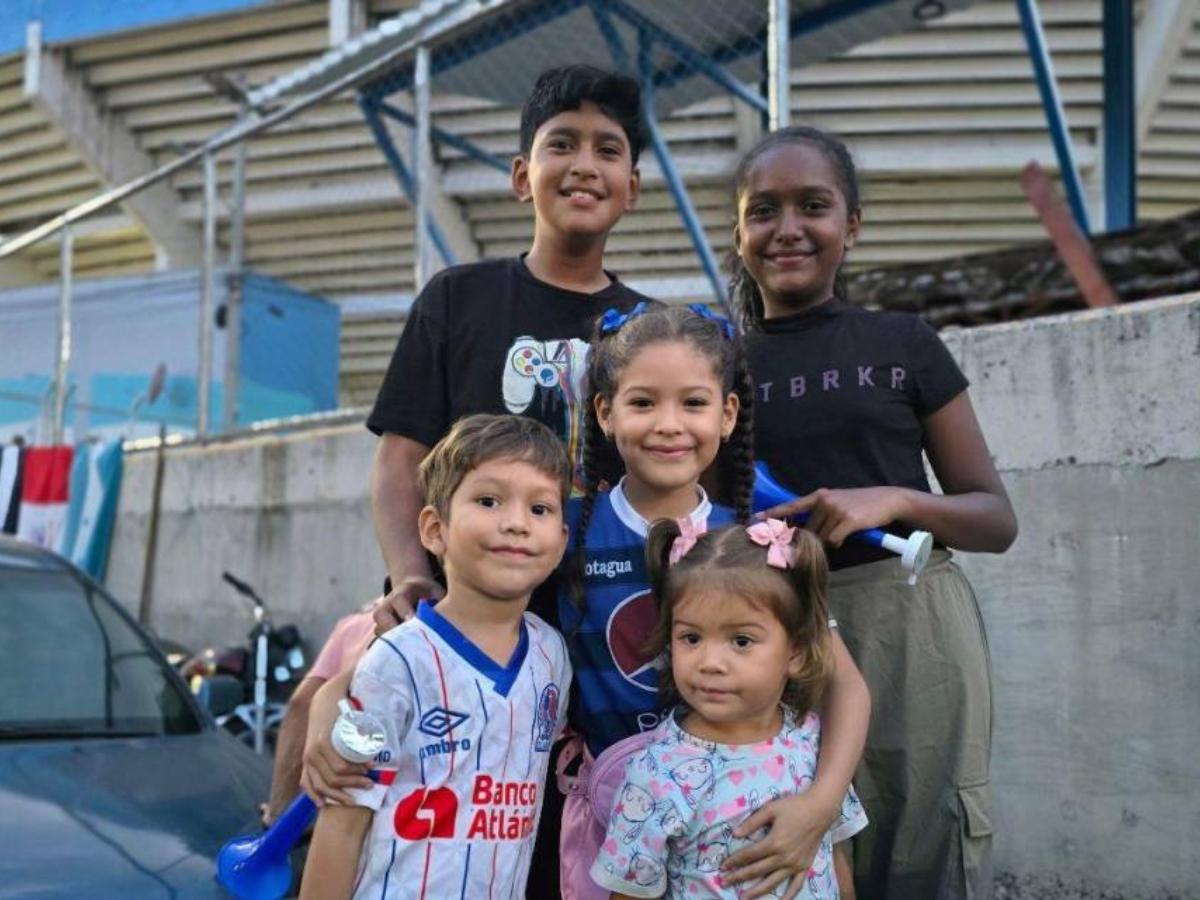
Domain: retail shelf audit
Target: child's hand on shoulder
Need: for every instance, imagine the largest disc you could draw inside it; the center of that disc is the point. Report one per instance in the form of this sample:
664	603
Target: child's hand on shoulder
400	605
836	513
796	824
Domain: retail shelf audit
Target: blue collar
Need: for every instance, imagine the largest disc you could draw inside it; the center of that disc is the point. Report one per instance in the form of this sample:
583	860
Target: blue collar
502	677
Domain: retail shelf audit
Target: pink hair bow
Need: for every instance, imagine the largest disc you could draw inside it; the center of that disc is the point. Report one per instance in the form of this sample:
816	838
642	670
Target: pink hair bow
689	531
776	535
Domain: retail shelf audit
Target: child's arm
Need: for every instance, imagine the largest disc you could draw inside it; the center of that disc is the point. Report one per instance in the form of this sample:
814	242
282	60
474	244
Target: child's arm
332	865
843	871
973	514
326	775
799	822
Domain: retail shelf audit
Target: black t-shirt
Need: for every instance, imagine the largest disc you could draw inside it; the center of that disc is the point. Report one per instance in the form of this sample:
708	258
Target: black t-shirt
840	392
489	337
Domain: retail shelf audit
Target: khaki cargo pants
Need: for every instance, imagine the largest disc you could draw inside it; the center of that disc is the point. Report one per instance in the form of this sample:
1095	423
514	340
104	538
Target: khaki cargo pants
924	777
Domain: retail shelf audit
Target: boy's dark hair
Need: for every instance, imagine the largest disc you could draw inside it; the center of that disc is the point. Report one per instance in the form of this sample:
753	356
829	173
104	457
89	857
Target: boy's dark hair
610	353
727	562
747	300
568	87
475	440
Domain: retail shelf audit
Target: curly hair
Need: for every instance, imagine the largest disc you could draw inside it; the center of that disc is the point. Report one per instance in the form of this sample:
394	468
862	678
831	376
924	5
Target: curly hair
727	561
610	353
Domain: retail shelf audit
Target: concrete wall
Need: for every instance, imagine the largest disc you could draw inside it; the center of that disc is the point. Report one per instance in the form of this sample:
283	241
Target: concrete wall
288	514
1093	616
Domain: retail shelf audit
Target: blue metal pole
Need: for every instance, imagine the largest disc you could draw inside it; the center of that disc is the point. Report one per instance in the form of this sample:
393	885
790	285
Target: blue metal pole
1043	69
674	183
448	138
370	112
1120	117
686	53
611	36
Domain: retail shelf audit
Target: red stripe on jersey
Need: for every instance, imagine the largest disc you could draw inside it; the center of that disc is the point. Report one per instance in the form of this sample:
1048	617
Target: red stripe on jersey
385	776
437	658
425	874
503	775
538	643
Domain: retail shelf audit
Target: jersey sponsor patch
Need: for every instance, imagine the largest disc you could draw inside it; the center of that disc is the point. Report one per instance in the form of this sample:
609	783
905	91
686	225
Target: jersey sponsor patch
629	628
426	813
496	810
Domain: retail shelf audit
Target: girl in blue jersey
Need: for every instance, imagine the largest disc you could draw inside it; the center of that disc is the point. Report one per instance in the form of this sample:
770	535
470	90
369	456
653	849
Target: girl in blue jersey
672	401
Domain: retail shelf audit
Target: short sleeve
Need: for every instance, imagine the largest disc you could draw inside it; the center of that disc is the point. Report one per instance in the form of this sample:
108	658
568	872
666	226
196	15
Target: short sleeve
414	400
648	813
851	820
386	699
937	379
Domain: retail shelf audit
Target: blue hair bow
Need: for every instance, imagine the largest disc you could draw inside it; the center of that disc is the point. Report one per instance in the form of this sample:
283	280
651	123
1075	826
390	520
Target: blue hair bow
612	320
726	326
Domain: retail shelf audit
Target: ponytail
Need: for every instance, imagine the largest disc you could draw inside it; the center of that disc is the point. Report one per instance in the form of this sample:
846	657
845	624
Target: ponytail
744	294
661	536
809	575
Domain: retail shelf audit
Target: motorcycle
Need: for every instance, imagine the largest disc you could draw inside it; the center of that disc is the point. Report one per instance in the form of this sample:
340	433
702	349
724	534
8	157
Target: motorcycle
246	688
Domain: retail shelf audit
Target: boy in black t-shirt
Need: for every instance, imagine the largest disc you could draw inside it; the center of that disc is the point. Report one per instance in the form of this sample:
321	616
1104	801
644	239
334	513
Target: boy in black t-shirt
502	336
510	335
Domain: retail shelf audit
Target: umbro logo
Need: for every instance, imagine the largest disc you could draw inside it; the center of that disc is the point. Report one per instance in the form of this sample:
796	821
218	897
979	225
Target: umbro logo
439	721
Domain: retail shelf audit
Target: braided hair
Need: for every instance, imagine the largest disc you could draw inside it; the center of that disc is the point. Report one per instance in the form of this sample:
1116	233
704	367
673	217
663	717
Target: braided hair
744	292
612	349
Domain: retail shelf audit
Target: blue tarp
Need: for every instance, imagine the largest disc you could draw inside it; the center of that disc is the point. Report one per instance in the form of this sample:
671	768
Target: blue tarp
123	328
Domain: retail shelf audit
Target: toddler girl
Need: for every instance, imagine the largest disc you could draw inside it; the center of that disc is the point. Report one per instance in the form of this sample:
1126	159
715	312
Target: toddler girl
746	638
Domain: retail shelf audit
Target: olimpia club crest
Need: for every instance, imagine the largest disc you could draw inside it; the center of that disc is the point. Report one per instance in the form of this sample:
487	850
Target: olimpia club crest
546	719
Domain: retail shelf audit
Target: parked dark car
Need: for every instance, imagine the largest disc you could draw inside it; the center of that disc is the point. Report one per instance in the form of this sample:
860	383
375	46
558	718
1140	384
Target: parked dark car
113	781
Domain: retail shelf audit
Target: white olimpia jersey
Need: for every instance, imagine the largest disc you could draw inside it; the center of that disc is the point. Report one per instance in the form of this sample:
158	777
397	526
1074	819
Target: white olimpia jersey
461	779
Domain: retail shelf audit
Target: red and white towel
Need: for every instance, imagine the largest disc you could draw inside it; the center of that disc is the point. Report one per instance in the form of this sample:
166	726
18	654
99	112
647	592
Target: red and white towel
45	482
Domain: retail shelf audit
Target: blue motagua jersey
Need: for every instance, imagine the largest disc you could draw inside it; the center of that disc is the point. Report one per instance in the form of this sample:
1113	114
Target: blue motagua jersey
617	679
461	779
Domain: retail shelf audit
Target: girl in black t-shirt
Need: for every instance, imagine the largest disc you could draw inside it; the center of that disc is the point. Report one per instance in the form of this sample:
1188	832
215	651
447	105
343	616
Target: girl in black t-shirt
846	402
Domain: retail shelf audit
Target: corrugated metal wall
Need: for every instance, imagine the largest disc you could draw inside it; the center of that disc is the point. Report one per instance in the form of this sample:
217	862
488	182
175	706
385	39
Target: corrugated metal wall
940	122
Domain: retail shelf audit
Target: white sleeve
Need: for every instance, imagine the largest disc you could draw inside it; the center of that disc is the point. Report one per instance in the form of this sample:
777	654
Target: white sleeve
851	820
387	698
647	814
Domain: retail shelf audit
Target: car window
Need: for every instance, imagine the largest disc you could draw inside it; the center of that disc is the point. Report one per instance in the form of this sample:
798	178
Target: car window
71	664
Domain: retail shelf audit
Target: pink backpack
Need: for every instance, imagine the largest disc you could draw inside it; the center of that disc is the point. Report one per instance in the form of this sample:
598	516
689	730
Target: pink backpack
588	807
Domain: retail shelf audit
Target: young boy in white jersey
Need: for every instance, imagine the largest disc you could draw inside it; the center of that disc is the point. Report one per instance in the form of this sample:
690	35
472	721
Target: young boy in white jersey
472	694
